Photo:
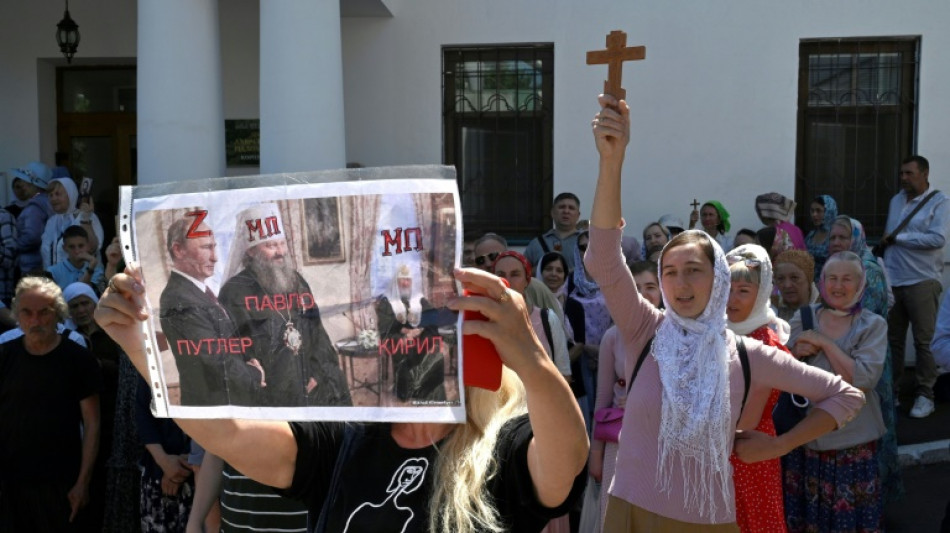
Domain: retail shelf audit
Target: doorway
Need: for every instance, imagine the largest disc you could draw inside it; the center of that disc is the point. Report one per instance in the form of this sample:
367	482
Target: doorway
96	133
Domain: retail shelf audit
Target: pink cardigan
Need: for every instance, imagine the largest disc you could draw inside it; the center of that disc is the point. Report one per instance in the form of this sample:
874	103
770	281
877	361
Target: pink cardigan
637	321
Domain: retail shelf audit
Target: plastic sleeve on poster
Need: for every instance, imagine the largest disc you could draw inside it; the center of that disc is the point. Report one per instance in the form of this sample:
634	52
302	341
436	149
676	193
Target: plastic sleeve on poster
124	227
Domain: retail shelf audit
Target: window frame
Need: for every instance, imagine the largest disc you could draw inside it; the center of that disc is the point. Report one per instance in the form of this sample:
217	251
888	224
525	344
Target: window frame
848	191
518	225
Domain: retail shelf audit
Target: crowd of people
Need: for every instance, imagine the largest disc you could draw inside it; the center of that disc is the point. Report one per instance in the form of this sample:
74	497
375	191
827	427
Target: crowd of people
703	380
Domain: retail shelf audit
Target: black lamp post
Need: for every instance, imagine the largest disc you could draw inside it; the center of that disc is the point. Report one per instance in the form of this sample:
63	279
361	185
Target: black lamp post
67	35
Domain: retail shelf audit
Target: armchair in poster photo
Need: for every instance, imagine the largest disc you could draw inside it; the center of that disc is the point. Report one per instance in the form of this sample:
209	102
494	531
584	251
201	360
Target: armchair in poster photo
268	298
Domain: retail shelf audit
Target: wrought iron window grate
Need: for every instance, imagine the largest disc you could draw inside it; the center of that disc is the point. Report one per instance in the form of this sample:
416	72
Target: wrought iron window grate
498	132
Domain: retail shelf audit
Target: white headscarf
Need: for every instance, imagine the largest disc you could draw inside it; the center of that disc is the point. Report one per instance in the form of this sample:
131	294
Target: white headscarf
56	224
79	289
762	313
696	432
415	298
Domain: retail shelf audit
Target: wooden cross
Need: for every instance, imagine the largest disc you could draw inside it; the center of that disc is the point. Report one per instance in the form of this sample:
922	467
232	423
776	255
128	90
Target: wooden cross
616	53
695	204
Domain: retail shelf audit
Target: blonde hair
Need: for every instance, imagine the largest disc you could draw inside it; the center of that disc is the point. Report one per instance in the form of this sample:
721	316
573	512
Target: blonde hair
45	287
466	461
740	271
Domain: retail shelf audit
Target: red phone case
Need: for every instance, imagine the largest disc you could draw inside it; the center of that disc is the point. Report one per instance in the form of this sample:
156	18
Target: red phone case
482	365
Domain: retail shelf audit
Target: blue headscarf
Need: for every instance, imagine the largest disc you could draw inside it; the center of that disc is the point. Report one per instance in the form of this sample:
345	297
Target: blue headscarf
583	286
819	250
831	211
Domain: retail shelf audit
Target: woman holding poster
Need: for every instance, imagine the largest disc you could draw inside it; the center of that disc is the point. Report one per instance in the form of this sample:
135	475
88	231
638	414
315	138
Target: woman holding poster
515	463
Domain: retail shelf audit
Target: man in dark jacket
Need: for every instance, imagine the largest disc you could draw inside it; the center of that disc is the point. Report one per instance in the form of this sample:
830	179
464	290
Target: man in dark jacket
213	365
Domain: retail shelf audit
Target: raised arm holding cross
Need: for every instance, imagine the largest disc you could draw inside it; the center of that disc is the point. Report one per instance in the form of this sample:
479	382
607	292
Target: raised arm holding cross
616	53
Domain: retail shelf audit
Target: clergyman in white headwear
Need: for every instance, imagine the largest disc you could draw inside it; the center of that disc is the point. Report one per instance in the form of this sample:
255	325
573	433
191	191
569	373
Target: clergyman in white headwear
418	365
271	303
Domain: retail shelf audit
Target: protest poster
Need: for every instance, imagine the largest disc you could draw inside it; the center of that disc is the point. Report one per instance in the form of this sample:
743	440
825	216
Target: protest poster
306	296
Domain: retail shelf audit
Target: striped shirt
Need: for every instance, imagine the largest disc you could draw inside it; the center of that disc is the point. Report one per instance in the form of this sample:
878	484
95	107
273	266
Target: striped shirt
247	505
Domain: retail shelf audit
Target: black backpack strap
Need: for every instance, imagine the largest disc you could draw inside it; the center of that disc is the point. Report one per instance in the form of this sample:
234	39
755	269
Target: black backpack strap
543	243
746	373
547	329
808	318
636	369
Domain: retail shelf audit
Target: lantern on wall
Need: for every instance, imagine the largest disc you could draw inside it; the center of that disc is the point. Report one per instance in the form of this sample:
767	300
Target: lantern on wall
67	35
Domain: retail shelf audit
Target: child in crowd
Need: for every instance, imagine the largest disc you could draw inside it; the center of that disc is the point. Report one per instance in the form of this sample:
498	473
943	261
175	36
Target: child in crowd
79	265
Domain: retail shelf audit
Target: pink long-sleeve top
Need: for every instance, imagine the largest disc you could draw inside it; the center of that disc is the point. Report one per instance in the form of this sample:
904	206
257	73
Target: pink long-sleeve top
637	321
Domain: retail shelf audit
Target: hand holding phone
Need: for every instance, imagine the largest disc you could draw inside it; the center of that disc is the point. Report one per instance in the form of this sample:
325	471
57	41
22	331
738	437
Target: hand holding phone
481	366
85	193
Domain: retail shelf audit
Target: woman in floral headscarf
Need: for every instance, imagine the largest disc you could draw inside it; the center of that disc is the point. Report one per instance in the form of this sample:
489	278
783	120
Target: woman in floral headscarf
848	234
833	483
586	313
823	212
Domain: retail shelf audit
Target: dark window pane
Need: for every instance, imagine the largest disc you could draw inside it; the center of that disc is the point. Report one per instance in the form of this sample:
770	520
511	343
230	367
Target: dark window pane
98	90
498	128
857	113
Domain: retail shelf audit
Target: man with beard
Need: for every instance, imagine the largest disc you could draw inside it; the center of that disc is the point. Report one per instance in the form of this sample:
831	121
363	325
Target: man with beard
200	333
272	304
418	364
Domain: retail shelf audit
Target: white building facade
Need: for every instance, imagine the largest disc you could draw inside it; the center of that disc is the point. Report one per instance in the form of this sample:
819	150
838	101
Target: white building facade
716	105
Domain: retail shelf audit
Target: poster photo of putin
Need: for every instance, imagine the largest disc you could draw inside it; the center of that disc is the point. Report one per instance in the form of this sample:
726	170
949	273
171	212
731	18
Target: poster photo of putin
311	301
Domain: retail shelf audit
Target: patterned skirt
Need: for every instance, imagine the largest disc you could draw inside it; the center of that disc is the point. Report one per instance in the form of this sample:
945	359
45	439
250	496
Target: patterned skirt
835	491
161	513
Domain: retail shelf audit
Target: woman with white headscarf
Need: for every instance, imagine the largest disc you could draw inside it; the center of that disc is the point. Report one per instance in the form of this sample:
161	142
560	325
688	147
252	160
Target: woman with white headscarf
759	506
682	409
63	196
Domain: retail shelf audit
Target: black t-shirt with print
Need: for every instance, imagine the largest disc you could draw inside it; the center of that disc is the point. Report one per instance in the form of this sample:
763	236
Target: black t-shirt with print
384	487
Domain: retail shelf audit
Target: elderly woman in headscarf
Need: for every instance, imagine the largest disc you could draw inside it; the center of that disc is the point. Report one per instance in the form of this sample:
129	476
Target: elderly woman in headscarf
833	483
776	210
823	212
759	506
715	221
794	271
848	234
586	312
63	196
686	397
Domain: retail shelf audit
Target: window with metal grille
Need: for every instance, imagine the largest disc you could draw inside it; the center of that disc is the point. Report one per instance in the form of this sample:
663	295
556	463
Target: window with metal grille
857	114
497	117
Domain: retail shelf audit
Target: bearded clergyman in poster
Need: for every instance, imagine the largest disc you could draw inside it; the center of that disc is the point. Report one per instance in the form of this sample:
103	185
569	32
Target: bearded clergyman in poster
254	321
288	338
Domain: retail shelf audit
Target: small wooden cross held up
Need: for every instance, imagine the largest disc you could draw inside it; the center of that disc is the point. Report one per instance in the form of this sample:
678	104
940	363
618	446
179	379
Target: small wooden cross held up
616	53
695	204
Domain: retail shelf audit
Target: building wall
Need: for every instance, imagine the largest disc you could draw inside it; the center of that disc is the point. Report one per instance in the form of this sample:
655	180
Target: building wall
713	105
28	56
